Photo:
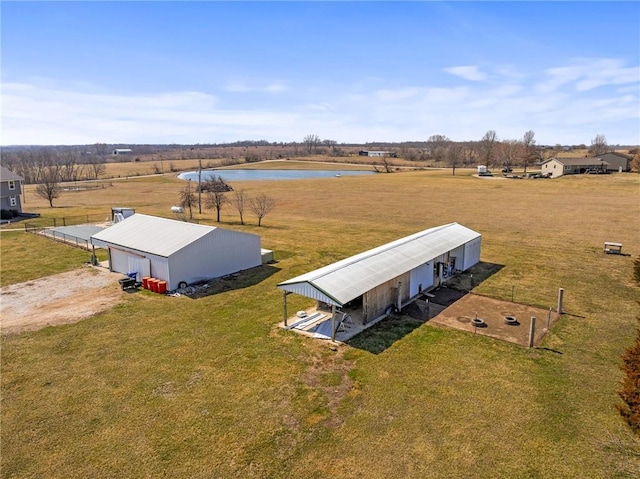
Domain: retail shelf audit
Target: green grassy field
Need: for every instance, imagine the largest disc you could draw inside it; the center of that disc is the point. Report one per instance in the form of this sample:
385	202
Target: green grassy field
208	387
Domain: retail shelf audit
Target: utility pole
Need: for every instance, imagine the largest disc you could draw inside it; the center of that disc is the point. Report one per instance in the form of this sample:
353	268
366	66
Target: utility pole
199	187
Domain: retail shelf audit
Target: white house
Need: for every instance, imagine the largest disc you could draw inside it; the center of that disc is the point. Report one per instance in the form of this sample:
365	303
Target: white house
390	275
176	251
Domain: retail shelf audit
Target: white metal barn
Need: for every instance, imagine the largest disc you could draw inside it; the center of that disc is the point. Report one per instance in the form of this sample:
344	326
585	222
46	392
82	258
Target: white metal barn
393	274
176	251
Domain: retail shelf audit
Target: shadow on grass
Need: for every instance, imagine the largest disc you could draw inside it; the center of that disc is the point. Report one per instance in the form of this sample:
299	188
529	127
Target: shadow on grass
243	279
469	279
383	334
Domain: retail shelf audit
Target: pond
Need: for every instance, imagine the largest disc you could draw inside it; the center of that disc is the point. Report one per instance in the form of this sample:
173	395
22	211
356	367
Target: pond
244	175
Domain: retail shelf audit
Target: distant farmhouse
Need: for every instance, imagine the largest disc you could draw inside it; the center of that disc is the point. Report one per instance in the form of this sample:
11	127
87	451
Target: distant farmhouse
379	154
555	167
122	151
607	163
10	191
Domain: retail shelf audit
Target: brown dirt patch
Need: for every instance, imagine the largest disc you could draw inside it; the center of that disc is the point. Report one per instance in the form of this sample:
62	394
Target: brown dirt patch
58	299
493	311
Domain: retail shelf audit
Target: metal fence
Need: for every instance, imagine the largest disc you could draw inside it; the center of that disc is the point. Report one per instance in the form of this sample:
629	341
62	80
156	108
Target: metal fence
59	236
66	221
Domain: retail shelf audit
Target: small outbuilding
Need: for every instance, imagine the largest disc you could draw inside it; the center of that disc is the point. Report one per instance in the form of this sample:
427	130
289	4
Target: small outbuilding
176	251
389	276
122	151
616	161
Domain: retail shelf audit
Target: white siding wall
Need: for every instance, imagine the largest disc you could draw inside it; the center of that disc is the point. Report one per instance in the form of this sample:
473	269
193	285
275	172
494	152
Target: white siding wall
216	254
471	253
421	278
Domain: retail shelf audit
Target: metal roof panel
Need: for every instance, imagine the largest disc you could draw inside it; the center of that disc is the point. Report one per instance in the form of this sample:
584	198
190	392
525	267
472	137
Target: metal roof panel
351	277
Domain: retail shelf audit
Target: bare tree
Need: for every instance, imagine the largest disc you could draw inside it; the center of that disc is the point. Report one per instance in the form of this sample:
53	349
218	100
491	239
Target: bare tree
102	149
215	183
216	199
528	148
509	152
68	164
239	201
49	187
488	145
469	154
97	167
437	146
188	198
454	155
599	146
261	206
311	142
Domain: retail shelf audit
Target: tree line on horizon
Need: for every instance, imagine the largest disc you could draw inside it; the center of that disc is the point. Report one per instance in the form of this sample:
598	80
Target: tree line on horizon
49	166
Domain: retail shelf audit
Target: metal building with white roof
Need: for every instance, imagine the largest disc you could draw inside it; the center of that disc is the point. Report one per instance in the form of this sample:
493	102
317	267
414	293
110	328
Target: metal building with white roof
176	251
392	274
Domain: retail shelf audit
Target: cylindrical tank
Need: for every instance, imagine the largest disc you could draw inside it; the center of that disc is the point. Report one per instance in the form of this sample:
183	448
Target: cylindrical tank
145	282
162	287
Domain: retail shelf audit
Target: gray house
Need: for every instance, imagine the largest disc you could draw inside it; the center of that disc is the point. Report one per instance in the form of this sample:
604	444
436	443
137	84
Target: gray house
10	191
617	161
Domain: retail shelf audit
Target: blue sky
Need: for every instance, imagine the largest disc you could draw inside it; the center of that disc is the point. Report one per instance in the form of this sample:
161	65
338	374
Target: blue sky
214	72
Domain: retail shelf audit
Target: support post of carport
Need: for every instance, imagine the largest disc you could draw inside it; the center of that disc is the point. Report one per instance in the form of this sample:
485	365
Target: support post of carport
333	322
284	305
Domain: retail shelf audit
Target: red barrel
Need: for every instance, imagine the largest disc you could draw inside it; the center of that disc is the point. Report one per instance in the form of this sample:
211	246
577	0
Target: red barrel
145	282
162	287
153	284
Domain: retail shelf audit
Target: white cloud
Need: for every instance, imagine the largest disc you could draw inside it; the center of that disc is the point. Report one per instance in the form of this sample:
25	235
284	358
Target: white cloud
589	74
555	108
470	73
249	86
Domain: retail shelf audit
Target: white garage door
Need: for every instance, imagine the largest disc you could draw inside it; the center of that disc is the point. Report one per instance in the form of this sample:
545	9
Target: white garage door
124	262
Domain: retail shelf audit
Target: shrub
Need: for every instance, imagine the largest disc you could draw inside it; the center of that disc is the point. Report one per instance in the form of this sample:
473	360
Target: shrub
630	392
8	214
252	157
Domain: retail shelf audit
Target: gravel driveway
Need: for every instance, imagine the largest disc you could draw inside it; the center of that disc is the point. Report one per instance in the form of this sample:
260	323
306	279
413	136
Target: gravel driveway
58	299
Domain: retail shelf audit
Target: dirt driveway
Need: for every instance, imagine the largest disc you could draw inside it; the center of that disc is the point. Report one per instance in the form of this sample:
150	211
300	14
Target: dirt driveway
58	299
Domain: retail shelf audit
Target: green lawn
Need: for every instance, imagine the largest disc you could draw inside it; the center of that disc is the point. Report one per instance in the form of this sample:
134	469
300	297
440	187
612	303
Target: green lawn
208	387
26	256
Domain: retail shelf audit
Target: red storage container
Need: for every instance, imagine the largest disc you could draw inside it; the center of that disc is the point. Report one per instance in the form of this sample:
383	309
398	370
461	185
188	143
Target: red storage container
162	287
145	282
153	284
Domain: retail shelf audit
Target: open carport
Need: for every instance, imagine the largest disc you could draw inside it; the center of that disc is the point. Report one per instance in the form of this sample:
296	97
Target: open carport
361	290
